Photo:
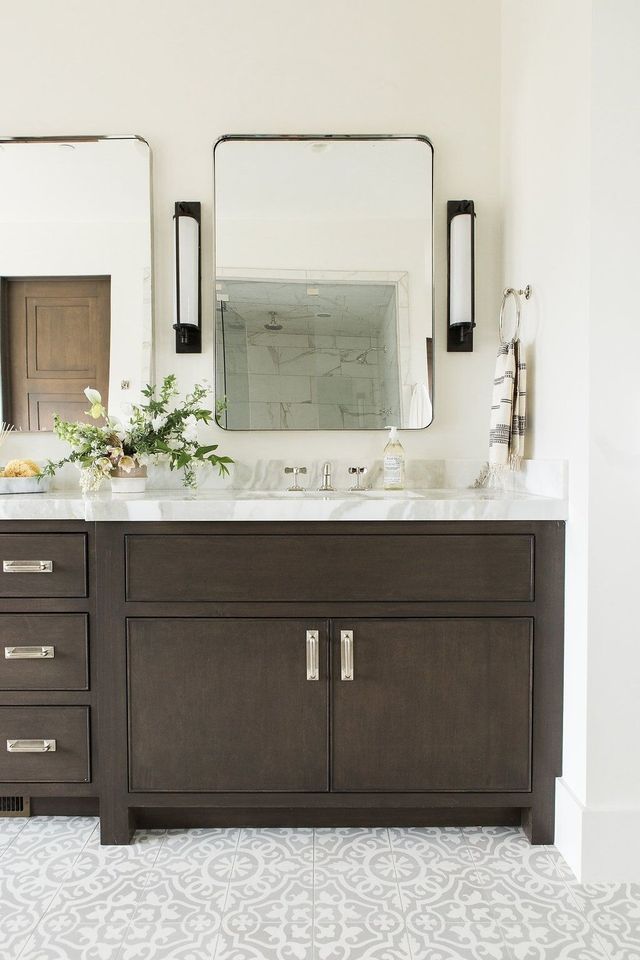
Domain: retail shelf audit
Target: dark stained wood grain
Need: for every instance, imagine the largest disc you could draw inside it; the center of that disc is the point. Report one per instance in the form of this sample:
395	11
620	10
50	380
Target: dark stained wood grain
69	726
383	567
68	551
226	705
67	633
435	705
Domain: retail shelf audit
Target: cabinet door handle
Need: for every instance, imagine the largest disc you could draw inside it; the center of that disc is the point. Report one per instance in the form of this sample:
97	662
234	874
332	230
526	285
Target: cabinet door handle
31	746
346	655
29	653
27	566
313	655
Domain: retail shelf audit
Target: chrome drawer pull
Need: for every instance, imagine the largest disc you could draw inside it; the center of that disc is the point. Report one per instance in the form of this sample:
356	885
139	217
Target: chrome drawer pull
31	746
29	653
313	658
346	655
27	566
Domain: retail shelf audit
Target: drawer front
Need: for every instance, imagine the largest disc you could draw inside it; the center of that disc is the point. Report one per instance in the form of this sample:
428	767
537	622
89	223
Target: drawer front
43	565
44	744
310	567
43	651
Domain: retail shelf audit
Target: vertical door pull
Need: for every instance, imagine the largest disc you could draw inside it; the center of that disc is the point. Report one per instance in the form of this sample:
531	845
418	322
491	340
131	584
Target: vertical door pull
346	654
313	655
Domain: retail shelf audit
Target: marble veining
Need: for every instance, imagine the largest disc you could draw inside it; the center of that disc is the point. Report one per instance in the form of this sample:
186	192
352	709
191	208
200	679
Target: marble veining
436	490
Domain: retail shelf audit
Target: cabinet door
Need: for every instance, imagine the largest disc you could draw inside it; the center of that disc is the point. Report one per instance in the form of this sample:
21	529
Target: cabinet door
225	705
437	704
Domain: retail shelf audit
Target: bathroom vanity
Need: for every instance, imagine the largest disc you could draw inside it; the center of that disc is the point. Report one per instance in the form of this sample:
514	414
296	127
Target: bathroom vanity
185	671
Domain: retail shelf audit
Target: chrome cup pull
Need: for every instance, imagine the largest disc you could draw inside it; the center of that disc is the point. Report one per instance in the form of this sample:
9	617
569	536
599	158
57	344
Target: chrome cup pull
313	655
29	653
31	746
346	655
27	566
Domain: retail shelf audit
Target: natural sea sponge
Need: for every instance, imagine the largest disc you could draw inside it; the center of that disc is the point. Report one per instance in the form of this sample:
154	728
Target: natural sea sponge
21	468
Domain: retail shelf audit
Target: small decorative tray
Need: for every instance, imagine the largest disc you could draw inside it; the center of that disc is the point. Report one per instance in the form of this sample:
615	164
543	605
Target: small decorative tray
24	485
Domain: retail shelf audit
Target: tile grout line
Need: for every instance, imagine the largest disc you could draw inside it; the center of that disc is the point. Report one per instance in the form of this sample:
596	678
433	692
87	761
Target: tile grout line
508	951
226	895
57	890
6	846
137	903
402	906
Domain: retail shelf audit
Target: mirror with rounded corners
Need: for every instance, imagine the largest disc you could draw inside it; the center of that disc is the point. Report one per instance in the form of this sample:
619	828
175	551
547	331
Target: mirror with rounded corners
75	275
324	282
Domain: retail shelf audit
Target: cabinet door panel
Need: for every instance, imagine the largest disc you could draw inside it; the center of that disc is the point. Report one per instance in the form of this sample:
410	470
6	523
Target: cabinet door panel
437	704
225	705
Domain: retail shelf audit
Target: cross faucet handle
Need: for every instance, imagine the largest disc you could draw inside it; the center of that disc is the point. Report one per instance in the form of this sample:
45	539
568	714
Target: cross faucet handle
357	472
295	487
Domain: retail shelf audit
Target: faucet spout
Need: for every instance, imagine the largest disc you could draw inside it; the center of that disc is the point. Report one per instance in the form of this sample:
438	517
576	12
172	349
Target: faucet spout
326	486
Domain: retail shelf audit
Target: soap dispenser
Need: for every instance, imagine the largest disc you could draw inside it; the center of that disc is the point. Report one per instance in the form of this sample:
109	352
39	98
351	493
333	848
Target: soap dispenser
393	462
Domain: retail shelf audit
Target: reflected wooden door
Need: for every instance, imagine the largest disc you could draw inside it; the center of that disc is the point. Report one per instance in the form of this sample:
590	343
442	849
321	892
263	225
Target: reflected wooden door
56	345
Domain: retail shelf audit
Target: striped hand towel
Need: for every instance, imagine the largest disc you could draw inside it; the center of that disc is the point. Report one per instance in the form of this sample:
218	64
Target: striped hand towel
508	409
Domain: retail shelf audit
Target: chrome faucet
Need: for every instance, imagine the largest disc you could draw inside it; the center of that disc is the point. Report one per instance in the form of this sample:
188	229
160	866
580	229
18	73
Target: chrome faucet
357	472
326	485
295	487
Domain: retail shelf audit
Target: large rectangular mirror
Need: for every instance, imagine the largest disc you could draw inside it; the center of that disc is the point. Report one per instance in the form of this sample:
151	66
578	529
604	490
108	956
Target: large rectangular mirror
324	282
75	275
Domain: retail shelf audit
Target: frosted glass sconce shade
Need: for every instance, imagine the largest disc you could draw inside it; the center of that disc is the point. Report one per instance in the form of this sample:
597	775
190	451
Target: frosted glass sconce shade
461	290
187	307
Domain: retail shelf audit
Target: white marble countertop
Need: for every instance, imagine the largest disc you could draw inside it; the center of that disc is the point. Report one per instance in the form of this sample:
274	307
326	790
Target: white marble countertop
273	505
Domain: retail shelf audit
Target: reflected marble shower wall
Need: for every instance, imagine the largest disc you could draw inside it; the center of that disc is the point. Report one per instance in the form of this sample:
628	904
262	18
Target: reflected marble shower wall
279	380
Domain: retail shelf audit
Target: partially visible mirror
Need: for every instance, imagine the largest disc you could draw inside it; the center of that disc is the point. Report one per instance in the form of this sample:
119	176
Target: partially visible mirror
324	282
75	275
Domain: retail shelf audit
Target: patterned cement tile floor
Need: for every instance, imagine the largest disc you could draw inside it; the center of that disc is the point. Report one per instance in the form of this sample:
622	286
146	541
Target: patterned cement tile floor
280	894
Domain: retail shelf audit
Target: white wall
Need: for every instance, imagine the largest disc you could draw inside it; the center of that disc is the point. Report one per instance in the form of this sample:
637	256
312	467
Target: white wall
571	151
183	73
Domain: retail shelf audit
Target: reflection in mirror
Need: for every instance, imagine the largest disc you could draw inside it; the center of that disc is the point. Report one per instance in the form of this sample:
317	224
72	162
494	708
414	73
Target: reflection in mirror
324	286
75	275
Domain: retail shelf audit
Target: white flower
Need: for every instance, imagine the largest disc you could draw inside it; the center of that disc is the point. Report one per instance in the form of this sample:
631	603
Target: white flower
158	422
93	396
190	429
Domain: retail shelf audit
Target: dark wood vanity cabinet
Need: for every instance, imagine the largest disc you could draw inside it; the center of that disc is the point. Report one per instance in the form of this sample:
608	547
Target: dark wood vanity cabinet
329	673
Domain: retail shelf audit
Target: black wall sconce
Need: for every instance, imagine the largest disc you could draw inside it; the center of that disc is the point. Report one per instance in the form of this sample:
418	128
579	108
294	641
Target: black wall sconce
461	307
187	306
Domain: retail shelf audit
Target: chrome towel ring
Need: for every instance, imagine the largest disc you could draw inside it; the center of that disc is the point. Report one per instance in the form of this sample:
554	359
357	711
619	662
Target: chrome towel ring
516	294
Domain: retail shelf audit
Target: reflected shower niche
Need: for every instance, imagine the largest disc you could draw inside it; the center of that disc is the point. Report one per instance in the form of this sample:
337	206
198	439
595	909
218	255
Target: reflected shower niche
317	354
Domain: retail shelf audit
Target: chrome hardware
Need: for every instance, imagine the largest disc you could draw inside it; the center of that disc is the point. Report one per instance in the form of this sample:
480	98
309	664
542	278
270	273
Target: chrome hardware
357	472
346	654
29	653
325	486
313	655
295	488
27	566
31	746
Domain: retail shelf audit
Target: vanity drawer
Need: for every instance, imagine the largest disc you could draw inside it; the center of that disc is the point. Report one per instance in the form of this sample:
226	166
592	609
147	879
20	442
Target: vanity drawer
44	744
43	651
43	565
311	567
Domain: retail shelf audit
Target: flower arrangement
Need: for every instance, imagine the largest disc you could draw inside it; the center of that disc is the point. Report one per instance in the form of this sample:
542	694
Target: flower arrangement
157	429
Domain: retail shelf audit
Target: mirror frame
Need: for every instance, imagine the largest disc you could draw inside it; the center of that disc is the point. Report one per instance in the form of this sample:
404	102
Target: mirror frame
234	137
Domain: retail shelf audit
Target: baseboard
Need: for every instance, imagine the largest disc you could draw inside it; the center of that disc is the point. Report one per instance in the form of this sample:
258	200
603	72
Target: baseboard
601	845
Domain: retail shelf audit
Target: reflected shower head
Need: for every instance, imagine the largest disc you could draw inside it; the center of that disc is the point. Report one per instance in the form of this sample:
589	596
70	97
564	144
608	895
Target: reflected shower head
273	323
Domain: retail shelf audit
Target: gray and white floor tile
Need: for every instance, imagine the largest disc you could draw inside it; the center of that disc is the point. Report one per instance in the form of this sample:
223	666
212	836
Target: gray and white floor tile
287	894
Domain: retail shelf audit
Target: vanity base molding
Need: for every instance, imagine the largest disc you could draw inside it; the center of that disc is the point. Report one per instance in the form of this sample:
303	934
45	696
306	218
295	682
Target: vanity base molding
151	818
